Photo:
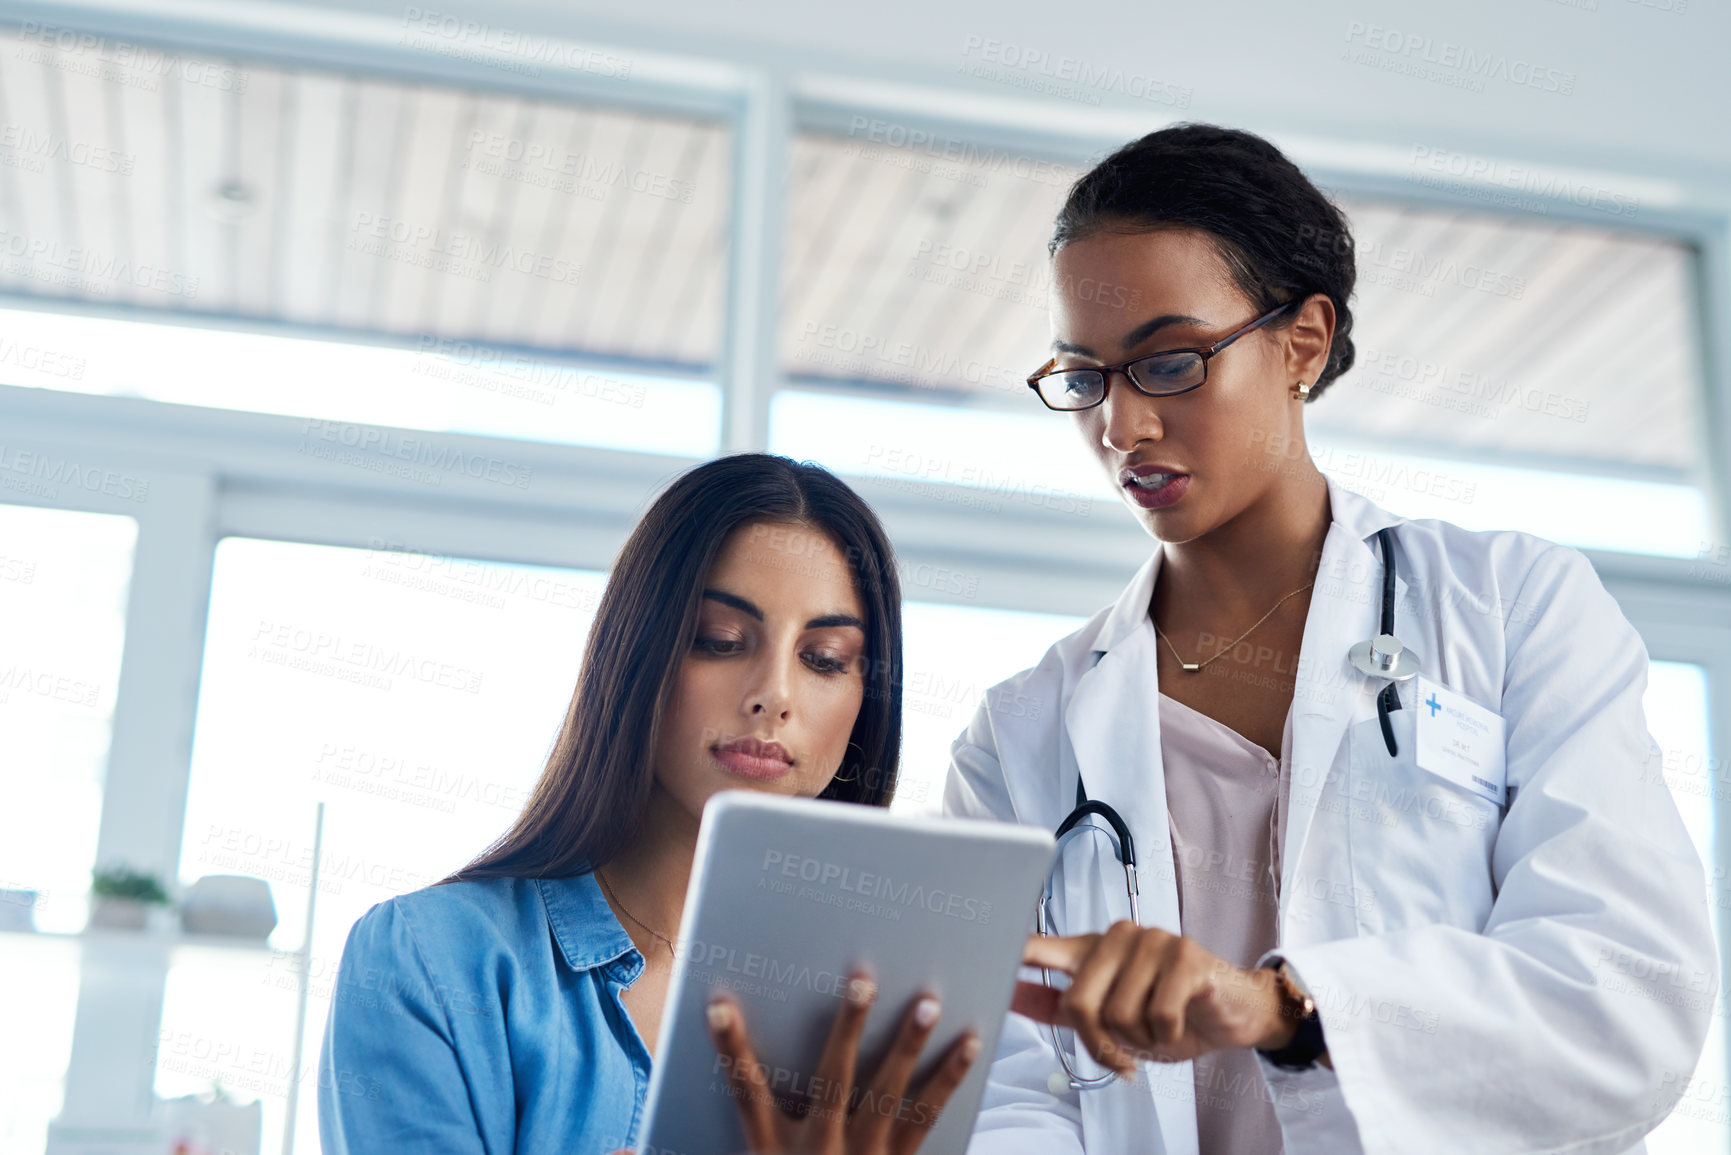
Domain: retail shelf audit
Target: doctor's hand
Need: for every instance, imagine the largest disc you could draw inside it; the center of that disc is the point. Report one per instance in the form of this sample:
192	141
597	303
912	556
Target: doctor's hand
826	1113
1141	993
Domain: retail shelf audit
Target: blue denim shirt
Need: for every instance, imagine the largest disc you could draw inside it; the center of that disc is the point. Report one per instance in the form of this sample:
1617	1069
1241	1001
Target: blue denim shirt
485	1017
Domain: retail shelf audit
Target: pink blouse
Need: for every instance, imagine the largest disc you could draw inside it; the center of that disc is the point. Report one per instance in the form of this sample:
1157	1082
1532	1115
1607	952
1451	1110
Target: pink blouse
1227	800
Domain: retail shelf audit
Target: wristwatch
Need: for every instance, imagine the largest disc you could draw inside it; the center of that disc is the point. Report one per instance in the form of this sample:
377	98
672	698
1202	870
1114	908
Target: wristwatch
1307	1044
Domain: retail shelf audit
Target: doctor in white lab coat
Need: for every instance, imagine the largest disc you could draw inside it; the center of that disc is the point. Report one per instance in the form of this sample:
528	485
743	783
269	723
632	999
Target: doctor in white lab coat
1535	975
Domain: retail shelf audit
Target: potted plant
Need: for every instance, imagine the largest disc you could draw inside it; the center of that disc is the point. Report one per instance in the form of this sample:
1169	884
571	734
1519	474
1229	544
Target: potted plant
123	898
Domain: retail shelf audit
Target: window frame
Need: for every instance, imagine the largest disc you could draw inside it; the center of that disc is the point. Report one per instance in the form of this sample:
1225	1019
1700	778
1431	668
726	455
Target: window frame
214	473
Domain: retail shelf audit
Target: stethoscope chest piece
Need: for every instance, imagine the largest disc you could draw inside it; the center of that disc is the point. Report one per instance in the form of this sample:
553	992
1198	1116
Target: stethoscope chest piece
1384	657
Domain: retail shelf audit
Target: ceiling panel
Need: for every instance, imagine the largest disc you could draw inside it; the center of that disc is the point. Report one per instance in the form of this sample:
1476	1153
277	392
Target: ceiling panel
149	197
247	203
913	270
1477	333
170	181
41	239
207	130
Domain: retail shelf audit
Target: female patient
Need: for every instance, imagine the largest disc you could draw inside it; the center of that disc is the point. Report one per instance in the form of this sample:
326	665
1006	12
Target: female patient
749	636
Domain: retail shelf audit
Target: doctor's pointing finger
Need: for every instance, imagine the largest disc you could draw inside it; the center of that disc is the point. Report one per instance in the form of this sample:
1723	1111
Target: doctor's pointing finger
1144	993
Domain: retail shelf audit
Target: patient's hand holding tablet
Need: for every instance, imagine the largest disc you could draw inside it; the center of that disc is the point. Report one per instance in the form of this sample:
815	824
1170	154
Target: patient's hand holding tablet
833	1113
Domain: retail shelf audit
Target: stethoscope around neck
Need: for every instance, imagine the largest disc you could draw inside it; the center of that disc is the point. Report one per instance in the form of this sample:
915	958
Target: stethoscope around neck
1382	657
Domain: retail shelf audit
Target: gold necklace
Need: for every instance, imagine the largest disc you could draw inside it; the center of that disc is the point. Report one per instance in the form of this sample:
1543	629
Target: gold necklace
1192	667
615	899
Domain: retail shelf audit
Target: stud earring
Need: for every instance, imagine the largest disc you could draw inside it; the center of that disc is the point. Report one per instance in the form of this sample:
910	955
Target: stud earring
1301	391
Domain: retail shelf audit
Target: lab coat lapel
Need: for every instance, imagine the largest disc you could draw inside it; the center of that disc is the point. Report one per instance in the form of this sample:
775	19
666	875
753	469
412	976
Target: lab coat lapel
1344	609
1113	721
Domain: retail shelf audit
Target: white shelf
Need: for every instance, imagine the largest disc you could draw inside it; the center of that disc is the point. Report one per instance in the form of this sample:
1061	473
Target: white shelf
118	941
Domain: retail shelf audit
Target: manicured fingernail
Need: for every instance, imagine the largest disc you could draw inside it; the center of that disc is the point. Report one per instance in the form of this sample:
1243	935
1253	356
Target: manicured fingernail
720	1016
971	1048
926	1013
860	992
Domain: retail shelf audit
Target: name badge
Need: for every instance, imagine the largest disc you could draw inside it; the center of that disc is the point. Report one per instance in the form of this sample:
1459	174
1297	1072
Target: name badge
1460	740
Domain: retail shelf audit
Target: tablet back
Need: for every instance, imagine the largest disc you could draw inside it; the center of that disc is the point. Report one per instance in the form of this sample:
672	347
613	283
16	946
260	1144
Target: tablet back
786	897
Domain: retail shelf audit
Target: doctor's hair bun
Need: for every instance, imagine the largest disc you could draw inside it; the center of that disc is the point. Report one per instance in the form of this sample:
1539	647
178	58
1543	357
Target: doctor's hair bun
1280	237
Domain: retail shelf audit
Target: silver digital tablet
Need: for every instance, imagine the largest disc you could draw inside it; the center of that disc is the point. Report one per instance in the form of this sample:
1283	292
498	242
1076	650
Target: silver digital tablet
787	897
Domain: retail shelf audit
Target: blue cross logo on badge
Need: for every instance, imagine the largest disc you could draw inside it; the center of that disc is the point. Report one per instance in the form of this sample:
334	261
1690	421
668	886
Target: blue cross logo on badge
1433	704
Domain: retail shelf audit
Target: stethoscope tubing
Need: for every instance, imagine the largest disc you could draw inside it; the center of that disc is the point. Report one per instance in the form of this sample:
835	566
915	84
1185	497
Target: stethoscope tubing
1387	700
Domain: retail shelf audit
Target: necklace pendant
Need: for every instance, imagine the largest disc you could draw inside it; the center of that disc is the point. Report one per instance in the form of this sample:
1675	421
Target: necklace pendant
1190	667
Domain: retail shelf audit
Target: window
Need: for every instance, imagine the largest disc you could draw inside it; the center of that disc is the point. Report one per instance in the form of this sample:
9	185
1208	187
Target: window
1677	713
64	578
916	268
498	244
40	975
919	266
468	230
1484	340
953	655
975	459
417	697
440	385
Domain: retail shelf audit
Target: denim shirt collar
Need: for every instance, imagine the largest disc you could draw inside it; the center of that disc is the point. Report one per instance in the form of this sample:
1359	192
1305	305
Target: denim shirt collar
584	927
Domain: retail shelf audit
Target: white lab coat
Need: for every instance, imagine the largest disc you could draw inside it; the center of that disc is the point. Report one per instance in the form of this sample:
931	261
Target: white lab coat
1535	978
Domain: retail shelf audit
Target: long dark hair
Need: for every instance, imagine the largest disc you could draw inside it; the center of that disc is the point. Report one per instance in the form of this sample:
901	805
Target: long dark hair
1279	236
592	794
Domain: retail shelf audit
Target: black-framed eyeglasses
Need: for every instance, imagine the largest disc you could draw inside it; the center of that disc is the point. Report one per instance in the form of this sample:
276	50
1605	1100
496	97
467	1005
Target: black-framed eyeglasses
1163	374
